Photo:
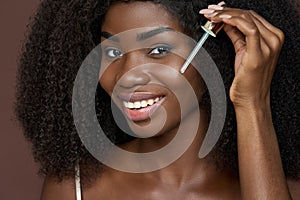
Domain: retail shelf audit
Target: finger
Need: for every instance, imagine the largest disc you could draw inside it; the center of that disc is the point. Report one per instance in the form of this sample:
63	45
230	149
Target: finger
214	10
272	35
236	37
246	26
270	42
266	36
275	37
258	36
269	26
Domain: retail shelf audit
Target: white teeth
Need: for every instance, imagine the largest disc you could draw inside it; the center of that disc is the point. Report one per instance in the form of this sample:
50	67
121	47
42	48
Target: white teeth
150	102
137	105
141	104
144	104
130	105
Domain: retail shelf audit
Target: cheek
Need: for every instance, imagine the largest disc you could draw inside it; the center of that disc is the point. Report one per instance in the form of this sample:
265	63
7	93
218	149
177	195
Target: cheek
107	80
175	81
169	73
196	82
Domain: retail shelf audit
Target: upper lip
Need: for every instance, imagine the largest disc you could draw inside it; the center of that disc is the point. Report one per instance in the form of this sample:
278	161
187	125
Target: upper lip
138	96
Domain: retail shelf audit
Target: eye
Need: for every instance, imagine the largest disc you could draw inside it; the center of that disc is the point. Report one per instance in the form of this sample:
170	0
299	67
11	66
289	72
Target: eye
159	51
113	53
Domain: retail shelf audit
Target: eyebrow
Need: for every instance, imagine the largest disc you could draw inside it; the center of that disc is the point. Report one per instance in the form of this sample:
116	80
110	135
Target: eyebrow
140	36
110	36
148	34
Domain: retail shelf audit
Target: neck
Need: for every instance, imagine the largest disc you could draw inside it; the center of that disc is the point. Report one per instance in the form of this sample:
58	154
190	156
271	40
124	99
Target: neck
188	167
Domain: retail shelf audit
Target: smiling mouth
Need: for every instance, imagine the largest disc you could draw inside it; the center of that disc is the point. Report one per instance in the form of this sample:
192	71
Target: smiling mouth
140	106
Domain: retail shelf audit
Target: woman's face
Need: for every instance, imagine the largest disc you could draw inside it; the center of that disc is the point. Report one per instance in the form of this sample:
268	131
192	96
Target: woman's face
138	44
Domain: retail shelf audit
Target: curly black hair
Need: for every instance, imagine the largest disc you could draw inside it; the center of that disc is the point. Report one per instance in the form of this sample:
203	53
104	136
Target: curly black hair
64	32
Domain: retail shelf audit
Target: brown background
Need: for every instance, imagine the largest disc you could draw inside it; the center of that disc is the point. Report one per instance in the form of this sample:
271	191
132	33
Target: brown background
18	172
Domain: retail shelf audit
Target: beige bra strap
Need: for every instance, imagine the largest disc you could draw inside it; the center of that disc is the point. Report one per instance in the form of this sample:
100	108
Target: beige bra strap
77	182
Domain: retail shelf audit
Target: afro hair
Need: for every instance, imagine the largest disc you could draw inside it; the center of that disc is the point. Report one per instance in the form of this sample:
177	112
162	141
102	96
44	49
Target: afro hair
64	32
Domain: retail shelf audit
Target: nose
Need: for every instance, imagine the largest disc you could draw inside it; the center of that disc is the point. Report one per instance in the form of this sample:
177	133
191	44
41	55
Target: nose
132	73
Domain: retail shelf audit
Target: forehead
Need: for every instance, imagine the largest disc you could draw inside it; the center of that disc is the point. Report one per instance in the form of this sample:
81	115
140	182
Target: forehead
125	16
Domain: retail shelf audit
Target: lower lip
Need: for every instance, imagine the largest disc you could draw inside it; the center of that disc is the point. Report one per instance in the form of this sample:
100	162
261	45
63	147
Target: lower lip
142	113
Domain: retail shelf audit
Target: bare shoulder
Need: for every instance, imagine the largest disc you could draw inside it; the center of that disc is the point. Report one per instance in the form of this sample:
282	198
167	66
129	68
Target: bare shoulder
58	190
294	187
101	187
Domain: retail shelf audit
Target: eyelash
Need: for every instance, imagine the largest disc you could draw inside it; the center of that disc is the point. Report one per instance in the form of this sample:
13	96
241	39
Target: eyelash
161	50
110	53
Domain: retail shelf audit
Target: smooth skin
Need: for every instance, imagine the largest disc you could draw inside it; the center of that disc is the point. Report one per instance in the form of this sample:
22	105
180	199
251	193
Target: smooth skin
257	44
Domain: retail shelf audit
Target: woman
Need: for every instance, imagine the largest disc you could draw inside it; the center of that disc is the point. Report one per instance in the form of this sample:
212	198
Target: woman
246	162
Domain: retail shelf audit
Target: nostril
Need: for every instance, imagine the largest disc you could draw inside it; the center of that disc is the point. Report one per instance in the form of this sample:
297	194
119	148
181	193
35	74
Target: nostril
133	78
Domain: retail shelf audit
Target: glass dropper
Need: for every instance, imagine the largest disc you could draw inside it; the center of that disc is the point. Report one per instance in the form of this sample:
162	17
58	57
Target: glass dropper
210	28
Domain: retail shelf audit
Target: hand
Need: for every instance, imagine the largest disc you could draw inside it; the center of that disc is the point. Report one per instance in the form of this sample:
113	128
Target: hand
257	44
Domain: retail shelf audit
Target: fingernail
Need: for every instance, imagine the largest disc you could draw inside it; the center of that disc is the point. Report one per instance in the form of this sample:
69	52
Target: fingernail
221	3
225	16
211	15
215	7
206	11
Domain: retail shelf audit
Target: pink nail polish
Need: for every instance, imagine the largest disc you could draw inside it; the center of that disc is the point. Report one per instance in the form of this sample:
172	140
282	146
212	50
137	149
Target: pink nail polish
215	7
222	3
225	16
206	11
212	15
